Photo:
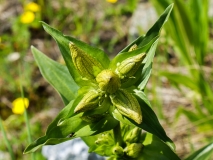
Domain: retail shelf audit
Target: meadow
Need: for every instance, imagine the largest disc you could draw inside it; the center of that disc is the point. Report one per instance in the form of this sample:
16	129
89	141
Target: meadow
180	88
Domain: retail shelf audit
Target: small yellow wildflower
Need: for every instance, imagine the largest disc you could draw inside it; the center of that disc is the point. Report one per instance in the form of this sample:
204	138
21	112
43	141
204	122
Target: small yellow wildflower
111	1
27	17
19	104
34	7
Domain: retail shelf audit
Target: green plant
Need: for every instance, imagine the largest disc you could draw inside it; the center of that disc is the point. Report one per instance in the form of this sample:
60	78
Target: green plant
188	30
9	147
187	21
105	102
204	153
12	51
20	105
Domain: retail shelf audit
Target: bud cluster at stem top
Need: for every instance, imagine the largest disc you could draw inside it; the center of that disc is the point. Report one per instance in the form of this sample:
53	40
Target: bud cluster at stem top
108	81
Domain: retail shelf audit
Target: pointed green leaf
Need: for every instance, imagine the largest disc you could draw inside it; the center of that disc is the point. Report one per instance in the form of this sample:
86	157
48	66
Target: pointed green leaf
57	75
155	149
75	126
63	113
204	153
147	69
153	32
63	43
175	28
58	133
151	123
143	42
149	41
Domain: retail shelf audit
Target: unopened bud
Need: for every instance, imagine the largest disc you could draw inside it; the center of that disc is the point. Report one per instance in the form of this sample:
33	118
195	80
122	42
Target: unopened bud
129	66
133	135
105	138
118	150
127	105
108	81
87	66
133	150
90	101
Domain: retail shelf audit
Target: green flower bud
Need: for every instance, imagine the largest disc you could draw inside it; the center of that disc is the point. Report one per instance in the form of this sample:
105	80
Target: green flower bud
87	66
133	150
127	105
90	101
108	81
133	135
118	150
129	66
105	138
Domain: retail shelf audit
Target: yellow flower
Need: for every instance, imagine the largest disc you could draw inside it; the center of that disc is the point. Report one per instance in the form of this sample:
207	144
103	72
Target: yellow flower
19	104
34	7
111	1
27	17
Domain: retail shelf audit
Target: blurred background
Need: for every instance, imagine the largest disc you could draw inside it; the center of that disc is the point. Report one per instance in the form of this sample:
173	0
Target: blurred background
180	88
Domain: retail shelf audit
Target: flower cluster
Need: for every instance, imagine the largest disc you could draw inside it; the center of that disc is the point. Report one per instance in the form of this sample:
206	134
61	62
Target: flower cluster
29	14
107	83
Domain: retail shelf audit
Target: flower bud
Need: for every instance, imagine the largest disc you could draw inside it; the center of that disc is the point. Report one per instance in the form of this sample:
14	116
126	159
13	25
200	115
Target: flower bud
129	66
133	135
127	105
87	66
133	150
90	101
118	150
105	138
108	81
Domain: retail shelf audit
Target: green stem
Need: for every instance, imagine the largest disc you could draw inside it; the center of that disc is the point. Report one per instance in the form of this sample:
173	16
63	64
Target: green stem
9	147
25	114
117	135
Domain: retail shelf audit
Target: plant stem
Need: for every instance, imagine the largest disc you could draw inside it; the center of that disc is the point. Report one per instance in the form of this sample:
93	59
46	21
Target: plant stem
117	135
9	147
25	114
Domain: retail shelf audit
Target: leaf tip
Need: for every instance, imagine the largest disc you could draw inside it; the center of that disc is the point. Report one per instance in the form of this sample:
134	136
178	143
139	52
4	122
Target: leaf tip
32	47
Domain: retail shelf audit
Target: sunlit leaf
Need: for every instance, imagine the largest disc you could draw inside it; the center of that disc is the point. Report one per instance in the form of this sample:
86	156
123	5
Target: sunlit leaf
155	149
57	75
204	153
63	43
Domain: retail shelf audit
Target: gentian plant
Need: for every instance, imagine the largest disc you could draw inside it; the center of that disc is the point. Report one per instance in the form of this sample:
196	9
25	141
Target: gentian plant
105	103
